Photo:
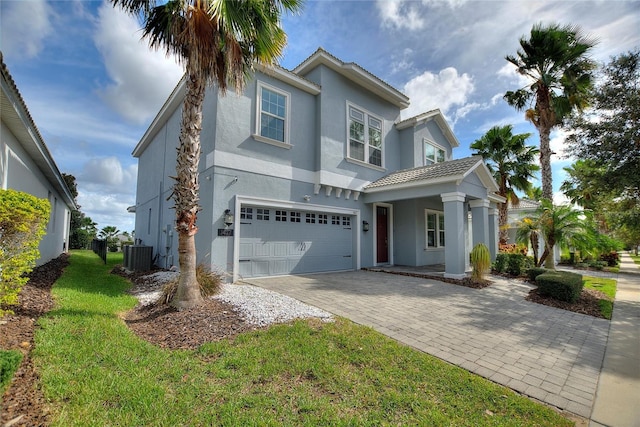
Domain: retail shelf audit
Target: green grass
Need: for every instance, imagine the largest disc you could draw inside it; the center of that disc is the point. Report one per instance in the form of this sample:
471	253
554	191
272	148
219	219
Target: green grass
606	286
635	258
95	372
9	363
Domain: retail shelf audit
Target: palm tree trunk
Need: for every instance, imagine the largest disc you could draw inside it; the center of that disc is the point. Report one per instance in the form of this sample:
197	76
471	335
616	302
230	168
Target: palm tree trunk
545	163
503	223
185	192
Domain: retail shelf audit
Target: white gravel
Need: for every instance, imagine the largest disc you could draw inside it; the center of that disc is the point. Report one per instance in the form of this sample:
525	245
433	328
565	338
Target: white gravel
259	306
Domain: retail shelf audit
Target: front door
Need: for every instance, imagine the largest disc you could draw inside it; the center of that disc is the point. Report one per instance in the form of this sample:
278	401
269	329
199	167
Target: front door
382	235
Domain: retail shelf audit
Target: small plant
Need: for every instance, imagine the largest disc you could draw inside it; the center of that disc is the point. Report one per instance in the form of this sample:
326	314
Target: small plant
209	284
500	264
534	272
9	362
610	258
480	261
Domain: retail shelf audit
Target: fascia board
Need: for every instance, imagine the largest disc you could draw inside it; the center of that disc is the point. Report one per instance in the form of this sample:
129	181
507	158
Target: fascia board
289	78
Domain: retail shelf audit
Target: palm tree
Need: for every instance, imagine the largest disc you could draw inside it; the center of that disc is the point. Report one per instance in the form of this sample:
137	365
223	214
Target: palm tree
512	165
217	41
554	60
562	225
528	233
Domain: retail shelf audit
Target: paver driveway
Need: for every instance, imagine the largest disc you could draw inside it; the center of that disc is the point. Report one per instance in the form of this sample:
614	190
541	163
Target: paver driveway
546	353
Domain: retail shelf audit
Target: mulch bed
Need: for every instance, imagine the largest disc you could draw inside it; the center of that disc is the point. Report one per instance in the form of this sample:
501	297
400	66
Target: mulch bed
588	303
23	403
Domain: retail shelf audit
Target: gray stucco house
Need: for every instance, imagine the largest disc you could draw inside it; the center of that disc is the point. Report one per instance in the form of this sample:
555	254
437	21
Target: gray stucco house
27	165
313	170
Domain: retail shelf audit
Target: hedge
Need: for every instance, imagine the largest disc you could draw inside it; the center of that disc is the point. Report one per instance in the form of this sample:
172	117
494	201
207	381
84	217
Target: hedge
534	272
514	264
23	221
560	285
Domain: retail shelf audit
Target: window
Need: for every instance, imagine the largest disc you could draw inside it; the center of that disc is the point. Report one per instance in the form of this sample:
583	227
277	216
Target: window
346	221
294	216
281	216
435	229
335	219
365	137
262	214
311	218
322	218
246	213
433	153
272	116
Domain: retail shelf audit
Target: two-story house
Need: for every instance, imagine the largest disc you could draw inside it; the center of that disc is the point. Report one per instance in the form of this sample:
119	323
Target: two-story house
27	165
313	170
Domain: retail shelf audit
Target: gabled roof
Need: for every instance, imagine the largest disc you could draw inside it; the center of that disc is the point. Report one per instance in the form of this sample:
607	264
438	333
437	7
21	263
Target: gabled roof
355	73
450	171
427	117
525	205
15	115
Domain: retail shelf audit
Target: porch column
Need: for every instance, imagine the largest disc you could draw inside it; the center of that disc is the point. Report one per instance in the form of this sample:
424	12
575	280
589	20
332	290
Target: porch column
480	221
454	220
494	232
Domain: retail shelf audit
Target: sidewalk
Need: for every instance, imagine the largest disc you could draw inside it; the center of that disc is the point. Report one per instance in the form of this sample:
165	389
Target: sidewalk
617	400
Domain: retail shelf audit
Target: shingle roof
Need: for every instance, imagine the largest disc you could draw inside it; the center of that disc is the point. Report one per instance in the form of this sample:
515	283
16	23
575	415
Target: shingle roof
436	172
526	204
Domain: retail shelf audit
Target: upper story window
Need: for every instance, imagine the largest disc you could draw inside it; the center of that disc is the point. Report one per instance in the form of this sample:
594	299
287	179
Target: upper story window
365	137
272	115
433	153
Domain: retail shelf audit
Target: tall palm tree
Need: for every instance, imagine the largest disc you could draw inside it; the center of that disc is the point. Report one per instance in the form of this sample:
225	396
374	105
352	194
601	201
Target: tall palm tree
512	165
218	42
555	61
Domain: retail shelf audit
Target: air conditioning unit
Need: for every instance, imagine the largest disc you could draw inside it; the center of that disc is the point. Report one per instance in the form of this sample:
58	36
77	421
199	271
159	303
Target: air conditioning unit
138	257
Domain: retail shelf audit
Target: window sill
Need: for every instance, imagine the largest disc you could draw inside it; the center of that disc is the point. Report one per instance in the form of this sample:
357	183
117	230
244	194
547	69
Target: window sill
365	164
439	248
270	141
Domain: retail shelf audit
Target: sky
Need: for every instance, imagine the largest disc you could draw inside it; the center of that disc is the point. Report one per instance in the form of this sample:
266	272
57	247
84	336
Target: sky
93	86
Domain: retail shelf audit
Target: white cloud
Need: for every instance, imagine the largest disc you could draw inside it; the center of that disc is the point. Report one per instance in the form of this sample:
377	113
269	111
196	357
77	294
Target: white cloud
445	90
400	15
24	27
107	209
108	175
142	78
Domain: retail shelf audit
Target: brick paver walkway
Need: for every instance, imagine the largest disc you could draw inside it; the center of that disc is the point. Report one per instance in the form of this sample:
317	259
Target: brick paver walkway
546	353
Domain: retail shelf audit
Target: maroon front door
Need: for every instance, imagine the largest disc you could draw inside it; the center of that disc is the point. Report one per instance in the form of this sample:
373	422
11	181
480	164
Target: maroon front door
382	235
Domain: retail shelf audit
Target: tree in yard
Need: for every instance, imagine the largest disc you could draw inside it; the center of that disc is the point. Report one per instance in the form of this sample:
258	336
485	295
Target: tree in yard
512	164
218	42
555	61
559	224
527	232
609	133
82	228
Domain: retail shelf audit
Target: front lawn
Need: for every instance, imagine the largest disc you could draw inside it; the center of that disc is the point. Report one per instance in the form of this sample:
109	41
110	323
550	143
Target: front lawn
635	258
95	371
607	287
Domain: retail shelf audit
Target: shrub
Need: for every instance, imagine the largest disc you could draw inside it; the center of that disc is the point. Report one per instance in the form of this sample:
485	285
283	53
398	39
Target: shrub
560	285
9	362
480	261
610	258
500	264
598	265
23	219
534	272
209	284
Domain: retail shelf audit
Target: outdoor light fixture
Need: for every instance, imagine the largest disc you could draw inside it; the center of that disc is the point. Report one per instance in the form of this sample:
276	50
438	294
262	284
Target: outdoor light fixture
228	217
307	197
365	226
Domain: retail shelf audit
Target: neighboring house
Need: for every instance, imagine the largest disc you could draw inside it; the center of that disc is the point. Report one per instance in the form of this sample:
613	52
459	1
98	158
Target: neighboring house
313	170
26	165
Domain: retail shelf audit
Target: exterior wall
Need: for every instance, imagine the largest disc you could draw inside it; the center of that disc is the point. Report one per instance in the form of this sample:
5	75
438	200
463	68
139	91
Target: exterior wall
412	143
19	172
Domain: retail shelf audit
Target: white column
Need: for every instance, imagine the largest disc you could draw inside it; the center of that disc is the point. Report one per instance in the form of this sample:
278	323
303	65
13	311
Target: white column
454	230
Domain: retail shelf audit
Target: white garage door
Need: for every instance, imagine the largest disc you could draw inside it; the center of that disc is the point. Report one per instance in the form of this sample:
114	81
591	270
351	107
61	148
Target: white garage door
278	241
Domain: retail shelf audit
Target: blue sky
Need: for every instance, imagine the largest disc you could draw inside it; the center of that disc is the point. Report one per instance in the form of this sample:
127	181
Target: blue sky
92	86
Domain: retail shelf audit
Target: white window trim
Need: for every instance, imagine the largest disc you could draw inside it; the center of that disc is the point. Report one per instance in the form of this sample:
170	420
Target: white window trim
287	119
426	230
367	114
437	146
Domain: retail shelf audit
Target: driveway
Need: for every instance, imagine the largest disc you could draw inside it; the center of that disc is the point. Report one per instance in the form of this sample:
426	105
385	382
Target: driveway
546	353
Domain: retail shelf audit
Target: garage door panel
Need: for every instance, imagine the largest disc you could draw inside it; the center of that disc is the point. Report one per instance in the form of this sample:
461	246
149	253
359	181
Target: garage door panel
269	247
